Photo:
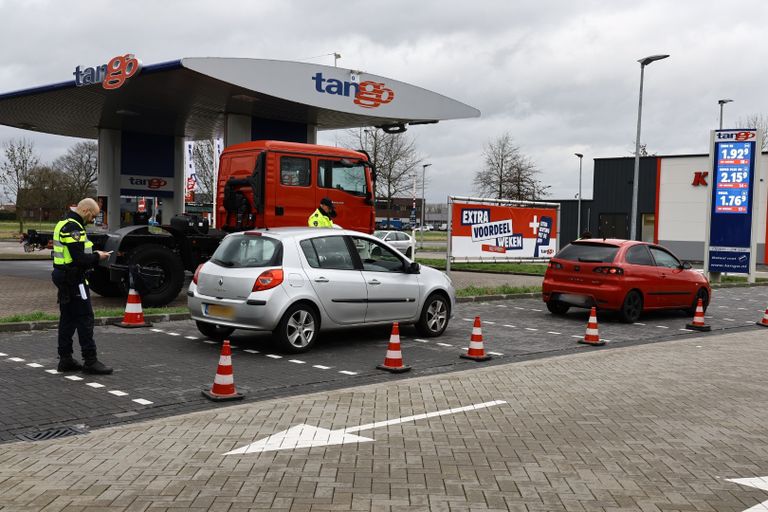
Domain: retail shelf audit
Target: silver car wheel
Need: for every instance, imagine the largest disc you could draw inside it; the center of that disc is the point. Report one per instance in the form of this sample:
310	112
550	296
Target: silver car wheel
300	329
437	316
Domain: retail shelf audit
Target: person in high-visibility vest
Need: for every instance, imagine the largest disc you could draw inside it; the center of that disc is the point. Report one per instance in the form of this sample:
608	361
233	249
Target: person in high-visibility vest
73	256
321	218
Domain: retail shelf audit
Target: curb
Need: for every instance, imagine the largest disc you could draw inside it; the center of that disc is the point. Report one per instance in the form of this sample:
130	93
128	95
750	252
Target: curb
101	321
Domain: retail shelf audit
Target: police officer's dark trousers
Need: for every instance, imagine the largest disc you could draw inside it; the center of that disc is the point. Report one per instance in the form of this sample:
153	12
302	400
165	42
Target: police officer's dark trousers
76	315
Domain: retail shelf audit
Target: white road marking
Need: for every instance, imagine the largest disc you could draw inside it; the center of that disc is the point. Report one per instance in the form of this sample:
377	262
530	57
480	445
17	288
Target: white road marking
489	323
576	336
251	351
321	367
94	385
686	330
297	361
346	372
2	354
468	319
191	337
118	393
444	344
521	309
662	327
500	306
537	310
16	359
34	365
141	401
233	347
638	323
210	342
274	356
729	319
173	334
157	330
73	377
53	372
496	353
553	332
721	306
512	326
420	340
530	329
743	309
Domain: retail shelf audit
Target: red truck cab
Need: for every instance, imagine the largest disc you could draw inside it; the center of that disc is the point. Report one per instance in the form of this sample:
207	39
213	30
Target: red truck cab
267	183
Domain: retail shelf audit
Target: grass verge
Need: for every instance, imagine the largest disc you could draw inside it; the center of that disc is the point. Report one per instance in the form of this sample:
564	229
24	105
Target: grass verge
526	268
39	316
478	291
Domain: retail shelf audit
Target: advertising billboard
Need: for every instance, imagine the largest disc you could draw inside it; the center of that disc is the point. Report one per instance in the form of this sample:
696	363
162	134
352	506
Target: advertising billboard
732	213
484	231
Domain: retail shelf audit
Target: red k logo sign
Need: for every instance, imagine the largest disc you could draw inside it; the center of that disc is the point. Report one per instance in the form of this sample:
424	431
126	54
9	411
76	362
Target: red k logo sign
700	178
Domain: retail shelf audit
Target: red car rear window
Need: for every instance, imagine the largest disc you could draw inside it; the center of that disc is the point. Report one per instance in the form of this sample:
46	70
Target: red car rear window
588	252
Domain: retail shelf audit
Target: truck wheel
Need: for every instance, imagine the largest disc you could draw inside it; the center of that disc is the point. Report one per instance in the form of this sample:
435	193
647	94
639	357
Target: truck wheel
99	282
214	331
160	258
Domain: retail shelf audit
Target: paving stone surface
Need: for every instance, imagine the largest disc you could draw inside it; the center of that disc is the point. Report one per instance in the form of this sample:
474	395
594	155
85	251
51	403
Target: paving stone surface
655	427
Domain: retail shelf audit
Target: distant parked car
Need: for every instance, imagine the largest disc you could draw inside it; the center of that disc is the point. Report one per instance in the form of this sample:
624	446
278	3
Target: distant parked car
397	239
295	282
622	275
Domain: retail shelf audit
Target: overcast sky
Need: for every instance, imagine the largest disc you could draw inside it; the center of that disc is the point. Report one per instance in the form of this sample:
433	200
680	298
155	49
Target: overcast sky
560	76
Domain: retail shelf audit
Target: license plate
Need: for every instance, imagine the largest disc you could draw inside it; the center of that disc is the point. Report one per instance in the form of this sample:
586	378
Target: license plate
219	311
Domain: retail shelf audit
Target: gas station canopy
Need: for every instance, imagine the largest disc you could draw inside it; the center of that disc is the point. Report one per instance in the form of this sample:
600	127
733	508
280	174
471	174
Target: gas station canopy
192	97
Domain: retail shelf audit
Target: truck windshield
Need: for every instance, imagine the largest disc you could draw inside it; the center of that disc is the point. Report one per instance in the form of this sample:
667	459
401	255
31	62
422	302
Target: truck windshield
347	177
248	251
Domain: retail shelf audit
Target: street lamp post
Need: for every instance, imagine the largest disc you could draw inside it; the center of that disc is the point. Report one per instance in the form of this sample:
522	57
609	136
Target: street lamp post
721	103
635	182
423	186
578	216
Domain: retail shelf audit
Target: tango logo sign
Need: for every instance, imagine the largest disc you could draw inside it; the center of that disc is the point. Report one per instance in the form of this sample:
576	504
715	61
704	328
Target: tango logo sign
367	94
111	75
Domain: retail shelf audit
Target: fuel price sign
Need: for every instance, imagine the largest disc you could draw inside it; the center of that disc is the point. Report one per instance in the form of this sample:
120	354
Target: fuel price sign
732	181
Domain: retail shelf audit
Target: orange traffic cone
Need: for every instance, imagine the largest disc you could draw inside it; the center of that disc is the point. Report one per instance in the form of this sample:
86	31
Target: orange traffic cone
764	321
224	382
134	316
394	360
698	319
592	336
476	352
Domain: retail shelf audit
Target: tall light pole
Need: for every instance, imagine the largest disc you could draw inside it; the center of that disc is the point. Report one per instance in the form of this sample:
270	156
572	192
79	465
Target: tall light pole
336	57
635	182
721	103
423	204
578	216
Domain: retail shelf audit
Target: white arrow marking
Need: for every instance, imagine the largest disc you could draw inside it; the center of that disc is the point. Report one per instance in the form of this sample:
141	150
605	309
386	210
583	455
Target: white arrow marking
306	436
760	482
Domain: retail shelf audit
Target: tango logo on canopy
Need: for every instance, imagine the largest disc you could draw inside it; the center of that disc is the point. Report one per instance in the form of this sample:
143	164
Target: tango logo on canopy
367	94
111	75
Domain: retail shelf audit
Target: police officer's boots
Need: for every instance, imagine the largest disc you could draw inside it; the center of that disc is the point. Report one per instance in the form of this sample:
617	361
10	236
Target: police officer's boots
69	364
93	365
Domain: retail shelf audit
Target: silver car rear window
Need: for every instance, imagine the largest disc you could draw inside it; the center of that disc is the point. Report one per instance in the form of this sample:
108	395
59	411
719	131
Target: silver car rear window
588	252
247	251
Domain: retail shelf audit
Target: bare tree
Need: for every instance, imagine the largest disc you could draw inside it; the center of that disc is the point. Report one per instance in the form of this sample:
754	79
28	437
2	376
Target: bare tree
18	163
758	121
203	158
395	158
44	190
79	167
508	174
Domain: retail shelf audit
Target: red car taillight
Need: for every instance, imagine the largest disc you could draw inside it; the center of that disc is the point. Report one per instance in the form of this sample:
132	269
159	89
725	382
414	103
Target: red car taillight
555	265
611	271
268	279
197	273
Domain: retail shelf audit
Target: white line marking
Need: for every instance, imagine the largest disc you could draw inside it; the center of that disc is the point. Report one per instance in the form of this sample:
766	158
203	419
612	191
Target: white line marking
94	385
420	340
210	342
576	336
521	309
500	306
233	347
638	323
686	330
345	372
743	309
157	330
73	377
173	334
2	354
489	323
729	319
512	326
251	351
141	401
530	329
274	356
52	372
496	353
34	365
662	327
537	310
16	359
321	367
118	393
553	332
605	340
721	306
297	361
468	319
191	337
444	344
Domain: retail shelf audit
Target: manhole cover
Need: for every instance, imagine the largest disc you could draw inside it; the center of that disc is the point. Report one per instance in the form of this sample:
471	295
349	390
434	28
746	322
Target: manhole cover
53	433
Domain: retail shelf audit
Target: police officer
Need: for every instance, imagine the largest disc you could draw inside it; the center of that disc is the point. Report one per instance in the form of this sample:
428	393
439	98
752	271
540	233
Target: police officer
73	256
321	218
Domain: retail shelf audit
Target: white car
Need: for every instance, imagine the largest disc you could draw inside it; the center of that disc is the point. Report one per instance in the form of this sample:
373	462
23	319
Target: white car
296	281
397	239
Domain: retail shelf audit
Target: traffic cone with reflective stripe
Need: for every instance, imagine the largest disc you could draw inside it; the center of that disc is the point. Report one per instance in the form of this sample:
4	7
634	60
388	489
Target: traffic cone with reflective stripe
764	321
592	336
476	351
224	383
394	360
698	319
134	316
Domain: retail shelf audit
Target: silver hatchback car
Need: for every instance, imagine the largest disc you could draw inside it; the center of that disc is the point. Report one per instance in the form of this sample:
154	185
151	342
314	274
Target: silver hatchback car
296	281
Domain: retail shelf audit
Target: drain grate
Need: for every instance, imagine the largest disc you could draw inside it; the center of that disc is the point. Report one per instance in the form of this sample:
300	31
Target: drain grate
53	433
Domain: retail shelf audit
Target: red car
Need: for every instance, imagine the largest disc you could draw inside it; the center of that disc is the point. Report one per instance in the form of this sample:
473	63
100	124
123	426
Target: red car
621	275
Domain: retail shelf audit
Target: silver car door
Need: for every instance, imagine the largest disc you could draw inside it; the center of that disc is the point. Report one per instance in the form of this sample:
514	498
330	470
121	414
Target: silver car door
338	285
393	294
